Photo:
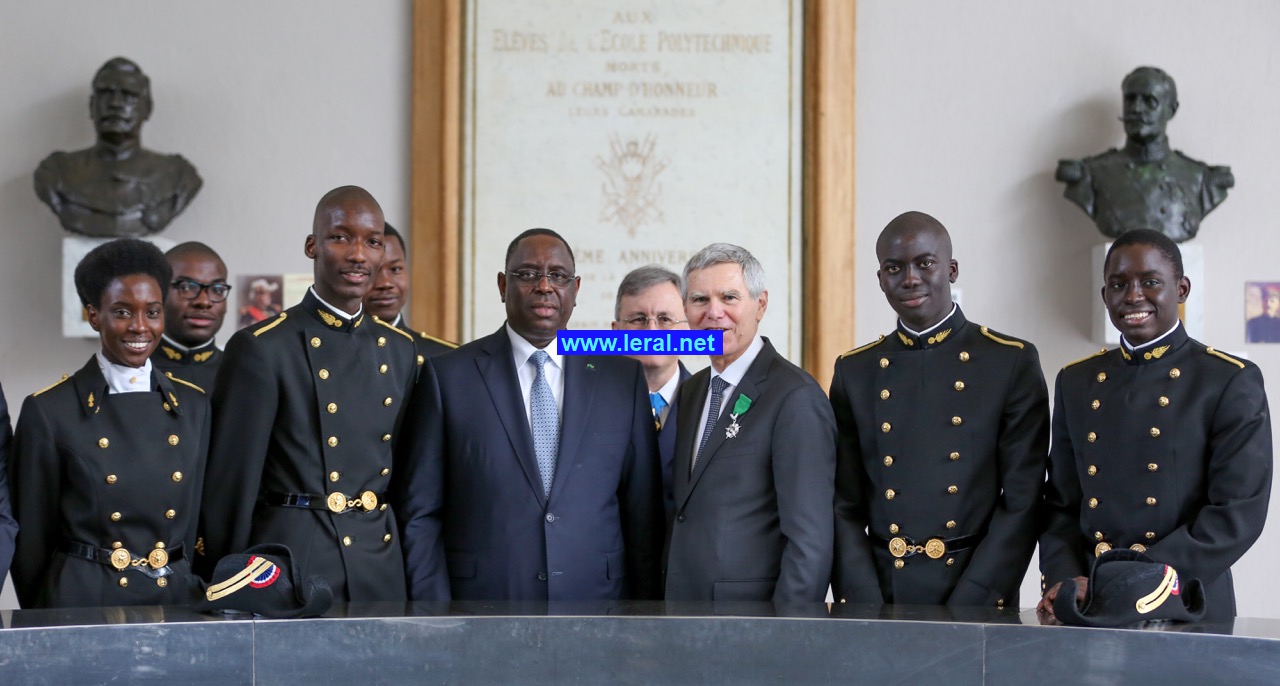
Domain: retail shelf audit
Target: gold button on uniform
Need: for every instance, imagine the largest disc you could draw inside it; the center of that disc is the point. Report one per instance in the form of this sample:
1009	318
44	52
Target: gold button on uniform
888	460
111	478
1093	502
1095	404
1151	535
952	490
102	443
162	582
959	385
1091	437
1151	467
884	394
899	564
1097	536
115	516
176	476
116	545
387	402
386	437
382	507
1155	433
323	374
1093	470
346	540
334	476
173	439
1151	500
893	528
950	561
884	362
964	357
170	514
332	408
124	583
1174	373
954	456
315	342
956	421
889	494
1138	547
1163	401
886	427
1102	376
386	538
951	524
382	342
385	471
333	441
382	369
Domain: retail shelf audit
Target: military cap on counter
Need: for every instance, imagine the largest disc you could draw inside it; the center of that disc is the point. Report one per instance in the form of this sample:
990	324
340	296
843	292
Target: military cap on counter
1127	587
263	580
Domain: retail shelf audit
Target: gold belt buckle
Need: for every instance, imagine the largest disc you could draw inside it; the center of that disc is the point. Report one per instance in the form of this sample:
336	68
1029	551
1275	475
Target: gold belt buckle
158	558
120	559
337	502
1101	548
897	546
369	501
935	548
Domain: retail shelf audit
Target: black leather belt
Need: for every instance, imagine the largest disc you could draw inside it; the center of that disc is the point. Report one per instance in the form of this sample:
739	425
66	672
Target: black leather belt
154	565
935	548
336	502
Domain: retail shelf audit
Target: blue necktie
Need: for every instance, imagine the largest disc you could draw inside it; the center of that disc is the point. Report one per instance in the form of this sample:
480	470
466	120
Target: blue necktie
658	403
546	421
718	384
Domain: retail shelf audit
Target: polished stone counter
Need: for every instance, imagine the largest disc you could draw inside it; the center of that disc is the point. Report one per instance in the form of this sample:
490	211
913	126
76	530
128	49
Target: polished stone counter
622	643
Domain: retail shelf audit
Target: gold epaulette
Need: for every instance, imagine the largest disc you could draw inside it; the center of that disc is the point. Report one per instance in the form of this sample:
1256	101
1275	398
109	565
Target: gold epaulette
52	385
171	377
1225	356
1002	341
272	325
378	320
441	341
855	351
1089	357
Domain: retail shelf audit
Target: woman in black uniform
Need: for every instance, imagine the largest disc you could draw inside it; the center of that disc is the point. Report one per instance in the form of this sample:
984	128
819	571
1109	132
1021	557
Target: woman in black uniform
107	464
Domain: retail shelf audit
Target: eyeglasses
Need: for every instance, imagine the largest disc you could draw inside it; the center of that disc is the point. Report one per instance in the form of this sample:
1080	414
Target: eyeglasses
190	290
532	276
663	321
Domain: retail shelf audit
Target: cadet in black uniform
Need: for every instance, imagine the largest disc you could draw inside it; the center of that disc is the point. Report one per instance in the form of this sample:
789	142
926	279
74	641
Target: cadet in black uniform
1161	445
943	432
193	314
386	298
307	405
107	464
8	527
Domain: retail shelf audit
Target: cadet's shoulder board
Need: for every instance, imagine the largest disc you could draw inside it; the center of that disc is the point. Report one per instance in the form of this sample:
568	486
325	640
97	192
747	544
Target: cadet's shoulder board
378	320
273	324
52	385
1224	356
171	377
1083	359
868	346
433	339
1002	341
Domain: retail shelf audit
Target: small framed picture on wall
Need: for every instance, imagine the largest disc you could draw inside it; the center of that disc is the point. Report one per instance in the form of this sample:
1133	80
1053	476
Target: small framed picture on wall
1262	312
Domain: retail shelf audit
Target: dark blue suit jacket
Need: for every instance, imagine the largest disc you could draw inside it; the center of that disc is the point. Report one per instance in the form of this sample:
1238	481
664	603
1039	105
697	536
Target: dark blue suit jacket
8	527
475	523
667	443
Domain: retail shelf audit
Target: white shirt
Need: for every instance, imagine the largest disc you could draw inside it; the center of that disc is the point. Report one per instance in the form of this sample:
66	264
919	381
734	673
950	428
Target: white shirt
122	379
942	321
1129	346
527	371
733	376
336	310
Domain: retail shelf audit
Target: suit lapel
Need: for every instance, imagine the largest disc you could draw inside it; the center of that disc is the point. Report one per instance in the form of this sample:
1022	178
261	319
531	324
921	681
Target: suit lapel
497	369
694	394
754	384
579	392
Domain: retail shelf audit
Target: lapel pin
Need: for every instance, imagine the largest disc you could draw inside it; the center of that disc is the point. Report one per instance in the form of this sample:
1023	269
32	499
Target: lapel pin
740	408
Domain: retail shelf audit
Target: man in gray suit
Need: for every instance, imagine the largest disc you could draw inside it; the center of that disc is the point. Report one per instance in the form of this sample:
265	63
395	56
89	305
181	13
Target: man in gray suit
755	453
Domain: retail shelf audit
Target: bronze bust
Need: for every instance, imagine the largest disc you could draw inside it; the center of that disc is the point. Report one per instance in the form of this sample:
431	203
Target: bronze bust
1146	184
117	187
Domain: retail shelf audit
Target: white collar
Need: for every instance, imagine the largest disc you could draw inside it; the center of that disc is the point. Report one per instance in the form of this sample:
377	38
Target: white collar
1131	347
335	310
942	321
122	379
668	390
738	368
180	347
523	349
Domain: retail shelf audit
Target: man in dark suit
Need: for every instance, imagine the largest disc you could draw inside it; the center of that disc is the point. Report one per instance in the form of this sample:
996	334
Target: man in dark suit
193	312
390	288
307	405
8	527
649	297
1161	445
528	475
944	430
755	453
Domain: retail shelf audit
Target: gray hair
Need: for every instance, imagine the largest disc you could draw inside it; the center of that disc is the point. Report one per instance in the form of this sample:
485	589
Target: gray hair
640	280
726	253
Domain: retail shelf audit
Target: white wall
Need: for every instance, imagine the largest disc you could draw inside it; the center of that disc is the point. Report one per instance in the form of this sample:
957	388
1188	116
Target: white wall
964	109
273	102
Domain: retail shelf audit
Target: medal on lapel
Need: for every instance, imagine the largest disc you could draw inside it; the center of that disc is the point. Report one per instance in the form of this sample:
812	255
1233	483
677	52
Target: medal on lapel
740	408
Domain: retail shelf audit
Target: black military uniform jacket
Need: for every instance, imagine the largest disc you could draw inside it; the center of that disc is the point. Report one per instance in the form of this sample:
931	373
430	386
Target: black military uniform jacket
1165	448
116	476
197	365
426	345
940	463
307	405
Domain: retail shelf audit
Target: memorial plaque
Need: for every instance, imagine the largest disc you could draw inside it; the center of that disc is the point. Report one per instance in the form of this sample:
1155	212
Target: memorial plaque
641	131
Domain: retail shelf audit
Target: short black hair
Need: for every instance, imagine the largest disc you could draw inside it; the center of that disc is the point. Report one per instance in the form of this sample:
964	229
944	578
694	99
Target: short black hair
390	232
511	249
117	259
1155	239
193	248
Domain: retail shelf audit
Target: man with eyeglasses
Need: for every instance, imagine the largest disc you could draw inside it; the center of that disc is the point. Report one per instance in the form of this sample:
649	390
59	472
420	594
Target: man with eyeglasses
193	314
649	297
527	475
